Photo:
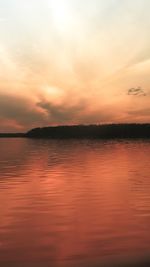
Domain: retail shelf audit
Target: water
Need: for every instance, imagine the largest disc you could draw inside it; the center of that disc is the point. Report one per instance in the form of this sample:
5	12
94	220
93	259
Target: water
67	202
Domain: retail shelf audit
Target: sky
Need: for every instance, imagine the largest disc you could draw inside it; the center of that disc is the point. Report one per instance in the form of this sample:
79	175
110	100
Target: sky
73	62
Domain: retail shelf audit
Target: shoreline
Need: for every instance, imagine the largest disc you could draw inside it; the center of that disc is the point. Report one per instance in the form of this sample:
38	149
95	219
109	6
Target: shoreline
104	131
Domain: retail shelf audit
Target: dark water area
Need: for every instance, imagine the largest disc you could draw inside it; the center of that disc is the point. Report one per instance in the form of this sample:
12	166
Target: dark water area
74	203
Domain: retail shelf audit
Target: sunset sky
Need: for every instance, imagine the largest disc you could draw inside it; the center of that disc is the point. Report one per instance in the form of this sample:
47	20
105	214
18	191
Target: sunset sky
73	61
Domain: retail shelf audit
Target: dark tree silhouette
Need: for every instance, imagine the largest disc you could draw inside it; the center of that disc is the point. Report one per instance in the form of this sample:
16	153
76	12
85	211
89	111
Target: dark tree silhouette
110	131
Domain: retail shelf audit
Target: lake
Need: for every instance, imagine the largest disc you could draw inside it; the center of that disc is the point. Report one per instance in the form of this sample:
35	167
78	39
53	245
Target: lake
73	203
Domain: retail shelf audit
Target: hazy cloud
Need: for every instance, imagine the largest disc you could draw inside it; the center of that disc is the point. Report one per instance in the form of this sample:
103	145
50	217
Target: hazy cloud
144	112
20	113
78	113
72	61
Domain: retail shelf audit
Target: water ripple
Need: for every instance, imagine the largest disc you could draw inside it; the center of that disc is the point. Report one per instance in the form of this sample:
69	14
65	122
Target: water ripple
69	201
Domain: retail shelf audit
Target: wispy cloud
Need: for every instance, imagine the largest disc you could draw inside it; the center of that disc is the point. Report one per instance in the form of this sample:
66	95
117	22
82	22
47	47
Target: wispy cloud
136	91
90	51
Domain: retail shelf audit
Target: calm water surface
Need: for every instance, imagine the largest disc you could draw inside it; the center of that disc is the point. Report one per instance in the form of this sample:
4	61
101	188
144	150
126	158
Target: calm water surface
66	202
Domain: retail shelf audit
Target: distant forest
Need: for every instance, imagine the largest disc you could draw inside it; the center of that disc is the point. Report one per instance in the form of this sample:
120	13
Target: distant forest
110	131
106	131
12	135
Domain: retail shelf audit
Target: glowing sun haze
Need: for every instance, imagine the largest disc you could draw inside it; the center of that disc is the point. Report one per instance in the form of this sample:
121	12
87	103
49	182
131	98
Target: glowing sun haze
73	61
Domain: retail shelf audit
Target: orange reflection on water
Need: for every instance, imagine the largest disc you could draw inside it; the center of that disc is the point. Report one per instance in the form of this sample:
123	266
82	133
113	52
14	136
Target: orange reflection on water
63	201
